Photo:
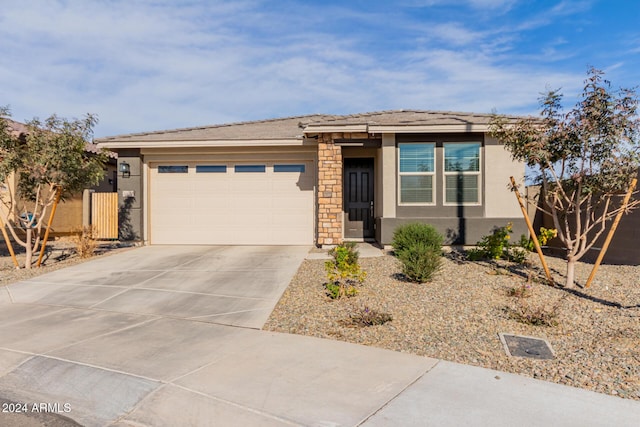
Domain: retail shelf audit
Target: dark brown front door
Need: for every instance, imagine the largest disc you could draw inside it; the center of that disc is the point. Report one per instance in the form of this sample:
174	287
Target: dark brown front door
358	198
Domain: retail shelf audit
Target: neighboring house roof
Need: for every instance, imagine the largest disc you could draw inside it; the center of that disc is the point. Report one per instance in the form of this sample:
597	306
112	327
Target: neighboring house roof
290	130
17	129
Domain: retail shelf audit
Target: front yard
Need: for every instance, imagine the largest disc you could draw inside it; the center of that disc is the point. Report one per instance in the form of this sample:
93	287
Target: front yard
60	253
458	316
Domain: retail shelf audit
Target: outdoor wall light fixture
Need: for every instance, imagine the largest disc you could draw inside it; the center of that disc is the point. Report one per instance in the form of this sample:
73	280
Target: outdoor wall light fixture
125	169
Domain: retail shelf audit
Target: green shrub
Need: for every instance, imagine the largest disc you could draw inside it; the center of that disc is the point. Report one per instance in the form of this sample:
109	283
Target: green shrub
496	246
475	254
343	271
418	246
526	243
545	235
517	255
420	262
408	234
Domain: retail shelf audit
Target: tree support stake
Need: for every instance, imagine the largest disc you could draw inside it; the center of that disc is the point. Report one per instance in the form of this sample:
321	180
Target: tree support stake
46	233
514	187
9	245
607	241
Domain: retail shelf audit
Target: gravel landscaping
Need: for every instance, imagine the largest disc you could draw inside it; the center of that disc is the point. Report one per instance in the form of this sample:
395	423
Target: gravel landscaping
59	254
458	317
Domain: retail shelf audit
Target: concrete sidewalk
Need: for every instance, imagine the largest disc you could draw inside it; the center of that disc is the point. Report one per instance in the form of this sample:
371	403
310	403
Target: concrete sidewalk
109	365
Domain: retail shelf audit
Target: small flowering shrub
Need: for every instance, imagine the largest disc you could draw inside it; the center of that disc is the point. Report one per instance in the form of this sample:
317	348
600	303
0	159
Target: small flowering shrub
545	235
343	271
522	291
496	246
539	315
366	316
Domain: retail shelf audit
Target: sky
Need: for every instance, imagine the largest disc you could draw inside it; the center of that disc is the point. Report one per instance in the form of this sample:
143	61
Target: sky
144	65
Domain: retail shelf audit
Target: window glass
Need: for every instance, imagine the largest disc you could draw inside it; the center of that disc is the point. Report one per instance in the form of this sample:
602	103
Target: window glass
173	169
462	189
249	168
416	166
462	173
211	168
416	157
416	189
288	168
462	157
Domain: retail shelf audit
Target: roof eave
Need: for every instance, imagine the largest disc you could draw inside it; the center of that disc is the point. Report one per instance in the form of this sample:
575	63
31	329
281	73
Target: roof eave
440	128
335	128
204	143
465	128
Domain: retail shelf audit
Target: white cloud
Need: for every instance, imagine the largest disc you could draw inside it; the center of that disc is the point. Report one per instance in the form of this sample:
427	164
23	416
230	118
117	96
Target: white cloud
146	65
478	4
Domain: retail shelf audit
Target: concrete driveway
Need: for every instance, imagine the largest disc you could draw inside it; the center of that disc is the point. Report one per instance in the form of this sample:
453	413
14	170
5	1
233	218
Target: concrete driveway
166	336
228	285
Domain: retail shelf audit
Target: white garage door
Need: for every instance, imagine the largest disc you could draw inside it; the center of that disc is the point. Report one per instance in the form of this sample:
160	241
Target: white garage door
258	203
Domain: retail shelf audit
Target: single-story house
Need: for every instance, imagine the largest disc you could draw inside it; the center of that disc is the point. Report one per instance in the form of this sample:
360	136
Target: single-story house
316	179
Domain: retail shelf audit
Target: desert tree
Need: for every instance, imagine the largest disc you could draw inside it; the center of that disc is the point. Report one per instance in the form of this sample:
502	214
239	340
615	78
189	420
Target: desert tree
584	159
38	167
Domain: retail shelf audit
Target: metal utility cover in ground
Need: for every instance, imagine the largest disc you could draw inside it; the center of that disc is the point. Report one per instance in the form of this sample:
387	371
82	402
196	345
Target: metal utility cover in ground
522	346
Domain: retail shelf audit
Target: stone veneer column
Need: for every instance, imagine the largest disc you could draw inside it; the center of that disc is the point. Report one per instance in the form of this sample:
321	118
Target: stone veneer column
329	190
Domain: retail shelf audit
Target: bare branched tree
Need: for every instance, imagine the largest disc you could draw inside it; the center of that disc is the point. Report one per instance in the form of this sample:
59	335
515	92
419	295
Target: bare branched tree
585	159
48	159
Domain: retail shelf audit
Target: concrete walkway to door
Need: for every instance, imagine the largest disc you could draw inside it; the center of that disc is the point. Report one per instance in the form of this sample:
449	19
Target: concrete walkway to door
166	336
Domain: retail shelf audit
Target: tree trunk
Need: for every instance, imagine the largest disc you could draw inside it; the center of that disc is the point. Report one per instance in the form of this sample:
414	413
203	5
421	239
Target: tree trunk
28	249
571	268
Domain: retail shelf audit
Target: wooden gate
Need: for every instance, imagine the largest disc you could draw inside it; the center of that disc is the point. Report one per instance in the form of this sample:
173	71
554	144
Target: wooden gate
104	215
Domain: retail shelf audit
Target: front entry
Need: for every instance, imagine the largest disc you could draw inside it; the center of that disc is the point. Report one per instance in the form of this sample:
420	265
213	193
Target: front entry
358	198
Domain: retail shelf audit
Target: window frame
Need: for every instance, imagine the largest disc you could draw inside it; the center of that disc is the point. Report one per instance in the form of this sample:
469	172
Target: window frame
432	174
446	173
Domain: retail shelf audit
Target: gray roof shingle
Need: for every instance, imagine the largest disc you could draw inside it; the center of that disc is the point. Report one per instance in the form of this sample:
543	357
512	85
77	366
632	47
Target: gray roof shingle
294	127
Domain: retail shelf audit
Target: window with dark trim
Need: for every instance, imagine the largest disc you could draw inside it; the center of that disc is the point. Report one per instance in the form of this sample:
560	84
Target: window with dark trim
173	169
462	173
211	168
288	168
416	168
249	168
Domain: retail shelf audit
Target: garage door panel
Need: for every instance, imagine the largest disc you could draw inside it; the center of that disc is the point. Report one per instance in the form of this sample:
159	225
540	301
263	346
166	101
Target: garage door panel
232	208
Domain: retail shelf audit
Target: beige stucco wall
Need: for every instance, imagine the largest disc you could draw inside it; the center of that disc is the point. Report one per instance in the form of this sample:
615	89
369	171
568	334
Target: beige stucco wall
388	175
500	201
6	191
